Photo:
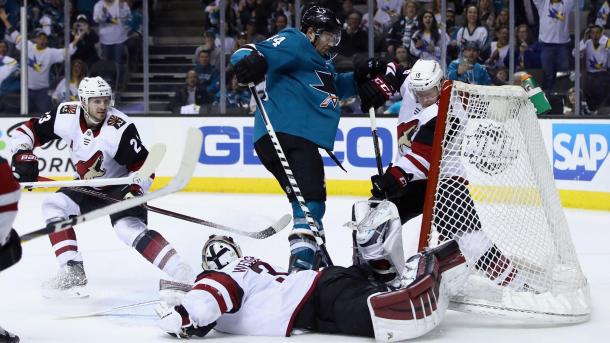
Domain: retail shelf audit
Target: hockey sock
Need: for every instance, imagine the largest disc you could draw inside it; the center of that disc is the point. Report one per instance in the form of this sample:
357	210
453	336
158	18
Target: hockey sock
154	248
65	246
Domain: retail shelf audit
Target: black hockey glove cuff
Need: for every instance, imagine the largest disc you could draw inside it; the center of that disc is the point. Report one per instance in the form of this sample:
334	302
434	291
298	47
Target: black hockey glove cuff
25	166
374	93
251	69
391	182
369	69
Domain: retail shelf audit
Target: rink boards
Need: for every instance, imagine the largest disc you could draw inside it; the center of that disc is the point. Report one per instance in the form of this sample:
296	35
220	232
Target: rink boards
578	151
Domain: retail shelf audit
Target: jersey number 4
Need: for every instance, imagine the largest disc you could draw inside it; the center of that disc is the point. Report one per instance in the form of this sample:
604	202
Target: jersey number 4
277	40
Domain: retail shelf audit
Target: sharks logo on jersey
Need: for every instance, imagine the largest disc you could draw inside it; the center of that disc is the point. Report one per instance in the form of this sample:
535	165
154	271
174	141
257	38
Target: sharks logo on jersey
327	85
91	168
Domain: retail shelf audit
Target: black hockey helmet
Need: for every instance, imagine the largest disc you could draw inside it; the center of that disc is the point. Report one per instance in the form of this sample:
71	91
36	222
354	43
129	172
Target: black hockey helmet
321	19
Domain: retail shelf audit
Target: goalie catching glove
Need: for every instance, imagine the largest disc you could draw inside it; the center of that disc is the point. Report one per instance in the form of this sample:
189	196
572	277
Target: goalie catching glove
176	322
391	182
251	69
25	166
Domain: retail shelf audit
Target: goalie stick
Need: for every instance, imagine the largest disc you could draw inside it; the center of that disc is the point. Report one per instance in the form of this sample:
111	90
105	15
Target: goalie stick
109	311
269	231
155	155
190	157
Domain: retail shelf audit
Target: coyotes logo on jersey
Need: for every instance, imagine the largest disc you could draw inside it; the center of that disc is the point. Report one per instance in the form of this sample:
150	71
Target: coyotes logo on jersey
116	122
405	135
91	168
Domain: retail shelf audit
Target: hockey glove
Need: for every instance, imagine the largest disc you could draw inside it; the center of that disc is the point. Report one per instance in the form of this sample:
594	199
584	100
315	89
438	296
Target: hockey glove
391	182
369	69
25	166
130	191
374	93
251	69
176	322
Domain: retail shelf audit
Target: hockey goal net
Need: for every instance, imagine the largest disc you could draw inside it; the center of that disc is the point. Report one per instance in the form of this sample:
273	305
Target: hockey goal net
491	188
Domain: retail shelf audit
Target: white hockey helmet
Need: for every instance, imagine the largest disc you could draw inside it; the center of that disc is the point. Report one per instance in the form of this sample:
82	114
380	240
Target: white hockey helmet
425	75
218	252
91	87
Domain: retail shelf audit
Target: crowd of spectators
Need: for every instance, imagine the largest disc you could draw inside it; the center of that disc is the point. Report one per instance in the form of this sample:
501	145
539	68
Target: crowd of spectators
106	36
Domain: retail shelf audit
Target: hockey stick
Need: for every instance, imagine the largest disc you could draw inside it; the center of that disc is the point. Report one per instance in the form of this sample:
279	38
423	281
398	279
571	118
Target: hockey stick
269	231
375	140
155	155
109	311
293	182
190	157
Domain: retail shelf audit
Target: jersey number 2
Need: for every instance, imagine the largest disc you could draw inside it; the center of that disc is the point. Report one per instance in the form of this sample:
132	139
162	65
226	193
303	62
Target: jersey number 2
261	266
136	147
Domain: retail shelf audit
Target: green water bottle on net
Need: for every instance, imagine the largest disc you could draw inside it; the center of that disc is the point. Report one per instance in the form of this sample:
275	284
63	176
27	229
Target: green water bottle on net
535	94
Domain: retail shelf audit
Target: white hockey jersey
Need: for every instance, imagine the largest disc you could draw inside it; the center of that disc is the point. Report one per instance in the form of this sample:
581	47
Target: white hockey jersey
110	151
9	196
249	297
415	133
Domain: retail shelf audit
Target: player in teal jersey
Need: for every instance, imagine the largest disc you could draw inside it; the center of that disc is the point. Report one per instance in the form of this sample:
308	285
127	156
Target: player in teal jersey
303	91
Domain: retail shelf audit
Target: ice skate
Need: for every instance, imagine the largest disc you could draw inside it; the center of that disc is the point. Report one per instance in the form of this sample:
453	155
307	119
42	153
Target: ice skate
70	282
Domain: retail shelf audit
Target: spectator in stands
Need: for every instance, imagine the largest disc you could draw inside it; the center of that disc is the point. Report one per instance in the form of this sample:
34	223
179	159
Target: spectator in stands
526	13
354	38
209	45
207	74
113	17
280	23
228	43
85	49
346	9
527	50
569	104
595	47
466	68
9	71
255	12
391	7
78	71
502	19
400	33
554	38
426	42
240	41
500	76
253	35
191	93
499	49
381	22
402	57
237	96
473	31
486	10
598	13
40	60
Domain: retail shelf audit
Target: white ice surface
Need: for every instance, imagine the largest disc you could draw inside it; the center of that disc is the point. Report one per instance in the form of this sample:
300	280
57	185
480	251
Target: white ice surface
118	275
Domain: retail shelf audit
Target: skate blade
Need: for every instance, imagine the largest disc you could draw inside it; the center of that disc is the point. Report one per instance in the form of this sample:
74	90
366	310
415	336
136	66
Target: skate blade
78	292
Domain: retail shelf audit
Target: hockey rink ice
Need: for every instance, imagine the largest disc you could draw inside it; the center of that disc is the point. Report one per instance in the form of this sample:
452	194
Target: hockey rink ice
118	275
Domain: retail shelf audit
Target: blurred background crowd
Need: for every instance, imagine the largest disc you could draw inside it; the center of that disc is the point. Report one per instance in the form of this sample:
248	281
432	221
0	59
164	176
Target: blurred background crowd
562	43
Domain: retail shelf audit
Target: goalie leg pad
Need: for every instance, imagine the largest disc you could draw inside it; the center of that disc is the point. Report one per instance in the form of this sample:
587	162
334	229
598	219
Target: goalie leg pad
412	311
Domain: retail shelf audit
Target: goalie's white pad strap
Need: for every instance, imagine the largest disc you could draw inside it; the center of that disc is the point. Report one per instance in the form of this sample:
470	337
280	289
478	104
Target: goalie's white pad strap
409	312
473	245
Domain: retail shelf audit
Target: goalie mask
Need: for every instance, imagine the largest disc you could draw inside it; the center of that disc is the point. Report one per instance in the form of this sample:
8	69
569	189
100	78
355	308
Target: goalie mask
379	238
218	252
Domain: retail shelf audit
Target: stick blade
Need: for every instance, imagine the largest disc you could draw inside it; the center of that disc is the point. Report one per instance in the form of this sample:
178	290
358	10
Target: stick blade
276	227
153	160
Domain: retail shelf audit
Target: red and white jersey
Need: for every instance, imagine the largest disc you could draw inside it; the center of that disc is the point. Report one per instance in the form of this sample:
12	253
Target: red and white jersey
415	133
112	150
9	196
249	297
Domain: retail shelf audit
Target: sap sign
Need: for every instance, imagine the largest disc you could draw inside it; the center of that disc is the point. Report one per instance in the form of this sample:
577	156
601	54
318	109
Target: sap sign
226	145
579	150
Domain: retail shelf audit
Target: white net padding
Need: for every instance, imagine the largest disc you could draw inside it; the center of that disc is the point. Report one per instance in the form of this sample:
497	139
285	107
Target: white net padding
495	193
